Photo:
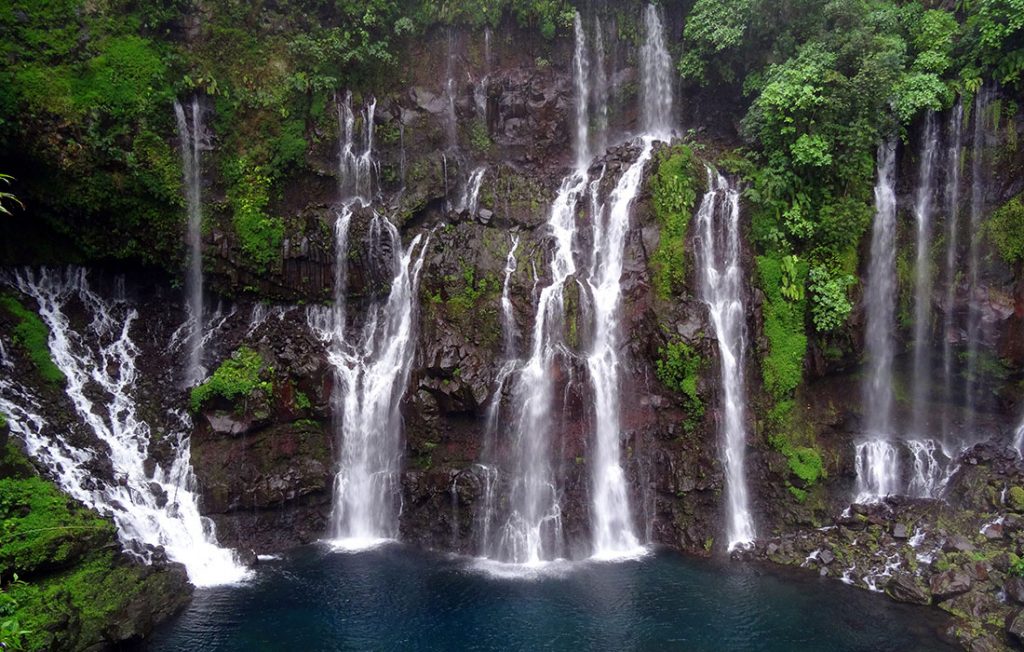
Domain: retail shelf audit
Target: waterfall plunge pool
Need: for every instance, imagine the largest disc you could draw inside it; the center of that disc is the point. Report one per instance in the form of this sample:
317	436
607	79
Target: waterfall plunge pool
396	597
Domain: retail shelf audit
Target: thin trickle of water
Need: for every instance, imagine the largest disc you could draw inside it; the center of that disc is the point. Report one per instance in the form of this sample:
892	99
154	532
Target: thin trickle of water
956	120
930	468
923	275
509	332
451	124
719	258
656	94
355	171
1018	438
190	142
981	102
612	522
876	469
158	507
370	379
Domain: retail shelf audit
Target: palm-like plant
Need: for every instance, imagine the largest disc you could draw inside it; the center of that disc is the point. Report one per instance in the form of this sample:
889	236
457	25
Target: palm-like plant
6	198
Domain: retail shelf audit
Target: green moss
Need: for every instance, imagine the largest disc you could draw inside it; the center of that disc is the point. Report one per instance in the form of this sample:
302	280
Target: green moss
302	401
1005	229
1016	496
782	366
259	233
238	377
795	440
70	583
673	193
479	139
678	368
32	335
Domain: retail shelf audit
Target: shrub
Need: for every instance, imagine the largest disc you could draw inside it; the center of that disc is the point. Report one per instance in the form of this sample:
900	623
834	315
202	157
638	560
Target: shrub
782	366
260	234
673	193
829	304
1005	229
238	377
678	368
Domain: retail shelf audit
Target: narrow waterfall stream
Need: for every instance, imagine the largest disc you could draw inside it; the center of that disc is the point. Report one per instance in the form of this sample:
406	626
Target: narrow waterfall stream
356	171
952	202
719	258
877	461
190	142
156	507
923	201
975	294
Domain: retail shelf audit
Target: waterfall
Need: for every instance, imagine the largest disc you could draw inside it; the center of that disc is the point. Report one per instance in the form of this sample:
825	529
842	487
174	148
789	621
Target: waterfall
877	461
370	379
656	78
190	141
952	198
600	91
581	77
508	324
981	102
719	258
451	125
470	200
1018	438
533	530
612	526
156	507
930	468
877	468
355	171
923	274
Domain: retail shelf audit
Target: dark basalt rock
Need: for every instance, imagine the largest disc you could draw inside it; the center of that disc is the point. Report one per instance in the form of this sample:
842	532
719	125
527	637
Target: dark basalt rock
904	588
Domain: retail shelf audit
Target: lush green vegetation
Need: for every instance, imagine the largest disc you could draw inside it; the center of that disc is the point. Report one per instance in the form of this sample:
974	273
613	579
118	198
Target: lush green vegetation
1006	230
678	368
61	582
32	335
673	193
825	83
237	377
86	104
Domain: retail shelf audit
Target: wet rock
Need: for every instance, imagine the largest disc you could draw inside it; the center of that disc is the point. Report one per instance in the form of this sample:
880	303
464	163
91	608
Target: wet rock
1014	588
958	543
904	588
826	557
159	493
949	583
993	531
1016	628
899	531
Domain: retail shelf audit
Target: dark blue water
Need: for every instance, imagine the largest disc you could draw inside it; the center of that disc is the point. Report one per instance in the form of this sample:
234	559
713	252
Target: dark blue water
399	598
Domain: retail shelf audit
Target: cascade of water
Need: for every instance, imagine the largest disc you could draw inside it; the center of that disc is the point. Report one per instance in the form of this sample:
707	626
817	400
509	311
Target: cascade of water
719	259
533	530
612	521
981	102
370	379
600	92
581	78
470	199
880	468
190	141
876	463
158	507
451	124
656	96
355	171
930	468
923	275
952	198
1018	438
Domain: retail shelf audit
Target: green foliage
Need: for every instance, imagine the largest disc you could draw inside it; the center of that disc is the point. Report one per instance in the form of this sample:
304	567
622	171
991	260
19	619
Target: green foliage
1005	229
782	366
8	197
673	193
237	377
1017	567
678	368
33	336
804	461
829	304
302	401
479	139
260	234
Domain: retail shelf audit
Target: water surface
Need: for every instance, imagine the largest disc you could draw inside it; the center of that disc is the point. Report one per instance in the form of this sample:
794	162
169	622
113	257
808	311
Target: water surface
400	598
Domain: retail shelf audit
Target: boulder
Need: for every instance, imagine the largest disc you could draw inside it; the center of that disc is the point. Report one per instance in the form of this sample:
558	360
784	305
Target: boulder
1016	628
904	588
1014	588
949	583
